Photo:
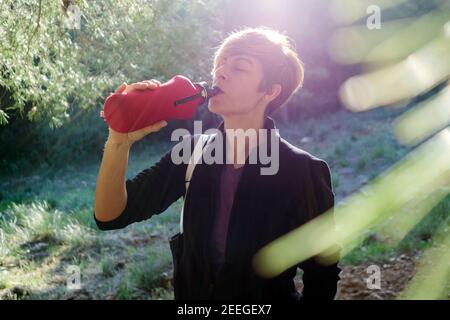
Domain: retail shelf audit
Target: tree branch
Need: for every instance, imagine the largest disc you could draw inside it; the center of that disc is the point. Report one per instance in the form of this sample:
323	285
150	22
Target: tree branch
37	26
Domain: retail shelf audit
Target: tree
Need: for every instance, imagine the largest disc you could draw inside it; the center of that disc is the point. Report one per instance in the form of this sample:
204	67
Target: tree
49	67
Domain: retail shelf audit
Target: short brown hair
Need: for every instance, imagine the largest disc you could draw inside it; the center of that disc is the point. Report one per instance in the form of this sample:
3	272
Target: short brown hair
277	54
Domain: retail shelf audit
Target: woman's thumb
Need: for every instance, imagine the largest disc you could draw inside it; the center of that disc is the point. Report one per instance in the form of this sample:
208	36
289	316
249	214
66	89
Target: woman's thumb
121	88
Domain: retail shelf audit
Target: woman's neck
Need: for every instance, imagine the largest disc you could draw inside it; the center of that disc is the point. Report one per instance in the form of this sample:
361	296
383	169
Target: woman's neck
242	123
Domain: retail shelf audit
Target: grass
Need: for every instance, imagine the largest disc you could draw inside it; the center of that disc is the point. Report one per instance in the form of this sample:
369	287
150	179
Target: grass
46	219
418	239
148	274
38	243
46	224
108	266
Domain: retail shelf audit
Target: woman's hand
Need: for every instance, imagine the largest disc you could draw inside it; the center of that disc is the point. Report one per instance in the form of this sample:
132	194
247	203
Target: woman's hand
131	137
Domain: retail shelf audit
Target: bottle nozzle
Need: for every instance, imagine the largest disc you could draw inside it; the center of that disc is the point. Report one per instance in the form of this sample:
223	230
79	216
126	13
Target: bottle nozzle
205	93
211	92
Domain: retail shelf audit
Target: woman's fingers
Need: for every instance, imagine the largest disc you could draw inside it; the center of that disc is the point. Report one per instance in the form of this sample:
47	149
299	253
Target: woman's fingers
153	81
142	85
121	88
156	126
139	134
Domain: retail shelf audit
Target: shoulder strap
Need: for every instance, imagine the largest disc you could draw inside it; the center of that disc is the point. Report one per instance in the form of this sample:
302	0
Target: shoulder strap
194	159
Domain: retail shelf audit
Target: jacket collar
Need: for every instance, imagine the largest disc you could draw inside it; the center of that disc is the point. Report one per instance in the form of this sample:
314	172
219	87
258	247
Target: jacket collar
269	123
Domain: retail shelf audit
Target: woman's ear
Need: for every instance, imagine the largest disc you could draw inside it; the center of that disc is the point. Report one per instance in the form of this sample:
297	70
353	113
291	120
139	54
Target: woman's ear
274	91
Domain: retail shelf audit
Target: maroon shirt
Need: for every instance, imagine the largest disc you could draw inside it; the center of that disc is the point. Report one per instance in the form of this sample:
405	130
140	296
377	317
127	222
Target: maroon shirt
229	180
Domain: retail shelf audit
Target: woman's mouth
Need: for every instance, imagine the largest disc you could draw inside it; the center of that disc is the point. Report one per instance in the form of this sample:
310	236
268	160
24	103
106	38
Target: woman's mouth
217	90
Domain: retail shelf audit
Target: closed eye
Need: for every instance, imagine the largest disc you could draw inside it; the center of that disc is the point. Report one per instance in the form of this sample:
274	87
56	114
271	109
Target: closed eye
239	69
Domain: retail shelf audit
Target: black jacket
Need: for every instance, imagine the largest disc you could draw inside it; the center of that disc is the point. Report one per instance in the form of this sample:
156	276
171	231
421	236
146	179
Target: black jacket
265	207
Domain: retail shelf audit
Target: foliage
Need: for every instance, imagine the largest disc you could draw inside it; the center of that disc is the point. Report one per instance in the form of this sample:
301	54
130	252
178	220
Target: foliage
49	67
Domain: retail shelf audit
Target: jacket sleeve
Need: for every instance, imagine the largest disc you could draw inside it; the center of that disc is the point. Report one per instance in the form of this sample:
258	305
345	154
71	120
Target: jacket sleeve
320	279
150	192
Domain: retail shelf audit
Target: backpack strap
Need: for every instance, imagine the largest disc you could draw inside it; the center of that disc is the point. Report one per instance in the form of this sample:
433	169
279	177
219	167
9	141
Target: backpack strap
193	160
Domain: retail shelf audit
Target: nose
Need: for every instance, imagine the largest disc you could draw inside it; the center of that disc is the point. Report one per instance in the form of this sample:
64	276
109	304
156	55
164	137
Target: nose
220	74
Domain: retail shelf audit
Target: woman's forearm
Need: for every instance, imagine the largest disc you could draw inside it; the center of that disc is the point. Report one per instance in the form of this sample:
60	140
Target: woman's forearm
110	192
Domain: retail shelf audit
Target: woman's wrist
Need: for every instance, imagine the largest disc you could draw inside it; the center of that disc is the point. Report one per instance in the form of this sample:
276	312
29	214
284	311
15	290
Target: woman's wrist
118	144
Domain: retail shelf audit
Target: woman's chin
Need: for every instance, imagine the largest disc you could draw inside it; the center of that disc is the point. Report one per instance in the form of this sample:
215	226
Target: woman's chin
215	107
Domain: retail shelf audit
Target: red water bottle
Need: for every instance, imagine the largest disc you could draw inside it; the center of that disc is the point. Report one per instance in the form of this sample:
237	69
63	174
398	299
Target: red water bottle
177	98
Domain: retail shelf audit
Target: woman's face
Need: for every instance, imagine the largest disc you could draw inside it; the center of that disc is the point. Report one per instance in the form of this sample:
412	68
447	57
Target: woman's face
239	78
